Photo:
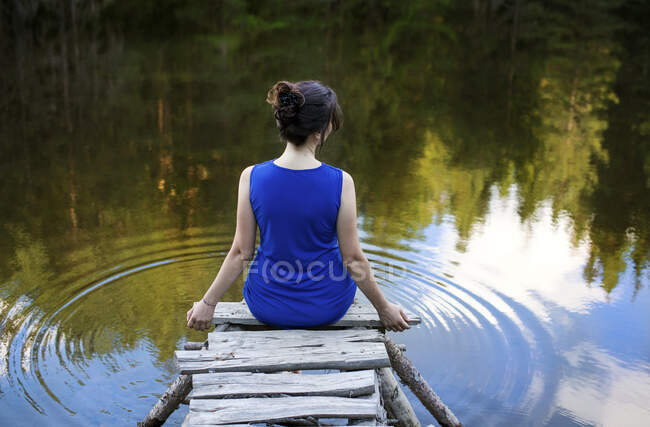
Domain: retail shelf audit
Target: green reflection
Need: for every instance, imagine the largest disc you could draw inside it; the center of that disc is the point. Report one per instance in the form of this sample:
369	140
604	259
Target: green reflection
125	128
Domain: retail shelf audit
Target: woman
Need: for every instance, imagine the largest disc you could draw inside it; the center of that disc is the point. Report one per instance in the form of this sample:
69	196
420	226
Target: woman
309	261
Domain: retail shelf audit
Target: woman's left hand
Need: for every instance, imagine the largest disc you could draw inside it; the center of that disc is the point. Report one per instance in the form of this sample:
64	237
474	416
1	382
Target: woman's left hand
393	318
200	316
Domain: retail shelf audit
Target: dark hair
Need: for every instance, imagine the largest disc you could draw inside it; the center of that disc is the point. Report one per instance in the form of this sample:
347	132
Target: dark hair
303	108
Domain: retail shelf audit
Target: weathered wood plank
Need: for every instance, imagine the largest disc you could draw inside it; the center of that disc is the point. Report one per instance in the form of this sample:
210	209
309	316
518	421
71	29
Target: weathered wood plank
317	352
346	356
275	350
382	417
186	423
223	411
246	384
176	394
380	414
358	315
362	422
273	339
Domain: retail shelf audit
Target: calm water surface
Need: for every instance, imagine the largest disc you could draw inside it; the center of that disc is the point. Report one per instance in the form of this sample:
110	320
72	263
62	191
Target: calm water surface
501	158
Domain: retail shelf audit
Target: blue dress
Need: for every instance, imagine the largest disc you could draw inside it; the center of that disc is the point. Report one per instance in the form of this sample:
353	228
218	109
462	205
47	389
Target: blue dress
297	277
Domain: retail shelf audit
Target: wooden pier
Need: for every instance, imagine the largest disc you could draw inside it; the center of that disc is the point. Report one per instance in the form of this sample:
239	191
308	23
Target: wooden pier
249	373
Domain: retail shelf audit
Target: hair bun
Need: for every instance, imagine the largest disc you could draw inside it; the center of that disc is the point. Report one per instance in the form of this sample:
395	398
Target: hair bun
286	99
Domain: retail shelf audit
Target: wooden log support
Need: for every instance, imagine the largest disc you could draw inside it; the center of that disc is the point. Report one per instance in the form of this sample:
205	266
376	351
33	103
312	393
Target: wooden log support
418	385
168	402
174	396
395	400
195	345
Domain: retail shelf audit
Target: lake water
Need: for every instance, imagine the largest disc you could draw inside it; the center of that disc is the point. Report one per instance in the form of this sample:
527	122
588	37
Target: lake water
501	155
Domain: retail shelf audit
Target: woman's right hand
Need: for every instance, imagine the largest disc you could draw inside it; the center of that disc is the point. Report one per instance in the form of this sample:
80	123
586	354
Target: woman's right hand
199	317
393	318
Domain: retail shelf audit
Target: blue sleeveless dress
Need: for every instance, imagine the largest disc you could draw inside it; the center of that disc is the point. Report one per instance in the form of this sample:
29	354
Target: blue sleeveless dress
297	278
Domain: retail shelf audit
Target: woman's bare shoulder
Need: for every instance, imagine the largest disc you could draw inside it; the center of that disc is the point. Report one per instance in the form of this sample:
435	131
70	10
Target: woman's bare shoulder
245	176
247	171
347	179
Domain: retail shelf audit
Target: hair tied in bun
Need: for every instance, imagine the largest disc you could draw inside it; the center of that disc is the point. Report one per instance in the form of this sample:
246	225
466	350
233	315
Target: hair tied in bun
304	108
285	94
287	99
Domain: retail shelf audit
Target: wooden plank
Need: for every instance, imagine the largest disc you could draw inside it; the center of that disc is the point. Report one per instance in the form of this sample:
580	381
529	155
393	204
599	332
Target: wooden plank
354	350
380	415
358	315
246	384
230	341
363	422
278	350
251	410
345	356
186	423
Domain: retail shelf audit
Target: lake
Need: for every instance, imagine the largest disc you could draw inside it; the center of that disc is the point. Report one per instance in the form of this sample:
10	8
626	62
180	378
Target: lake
501	156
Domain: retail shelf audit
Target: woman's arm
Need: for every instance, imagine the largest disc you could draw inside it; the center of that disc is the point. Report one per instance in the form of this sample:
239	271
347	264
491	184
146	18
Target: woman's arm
391	315
200	316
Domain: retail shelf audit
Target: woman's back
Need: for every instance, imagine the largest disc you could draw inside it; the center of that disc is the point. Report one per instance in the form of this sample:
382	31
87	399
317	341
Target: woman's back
307	216
297	278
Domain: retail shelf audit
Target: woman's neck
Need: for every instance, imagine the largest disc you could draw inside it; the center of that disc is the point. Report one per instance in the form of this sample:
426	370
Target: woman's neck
299	156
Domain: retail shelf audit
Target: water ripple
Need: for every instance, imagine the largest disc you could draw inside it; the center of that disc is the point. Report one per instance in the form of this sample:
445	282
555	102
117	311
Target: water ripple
113	325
